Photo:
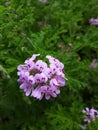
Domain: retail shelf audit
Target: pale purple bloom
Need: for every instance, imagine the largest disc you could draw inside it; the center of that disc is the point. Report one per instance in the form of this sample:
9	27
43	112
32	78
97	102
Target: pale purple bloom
39	79
7	3
30	64
93	21
54	82
49	91
55	62
48	72
90	114
94	64
43	1
27	88
40	65
54	87
31	80
32	58
23	76
37	93
60	80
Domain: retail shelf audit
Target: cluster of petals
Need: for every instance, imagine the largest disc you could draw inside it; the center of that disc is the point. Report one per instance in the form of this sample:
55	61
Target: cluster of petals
39	79
91	114
93	21
94	63
43	1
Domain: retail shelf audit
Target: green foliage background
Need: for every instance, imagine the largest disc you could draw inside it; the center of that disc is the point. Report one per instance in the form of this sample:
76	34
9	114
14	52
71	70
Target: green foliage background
58	28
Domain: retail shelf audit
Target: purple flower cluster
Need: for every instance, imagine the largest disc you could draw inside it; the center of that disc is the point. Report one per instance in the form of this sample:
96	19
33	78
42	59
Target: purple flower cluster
94	64
91	114
43	1
39	79
7	3
93	21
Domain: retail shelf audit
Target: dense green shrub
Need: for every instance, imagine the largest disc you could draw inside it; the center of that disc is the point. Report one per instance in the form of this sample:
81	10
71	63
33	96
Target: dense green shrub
58	28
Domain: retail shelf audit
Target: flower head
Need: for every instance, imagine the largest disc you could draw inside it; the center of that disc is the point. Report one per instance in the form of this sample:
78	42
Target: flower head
43	1
93	21
90	114
39	79
94	64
